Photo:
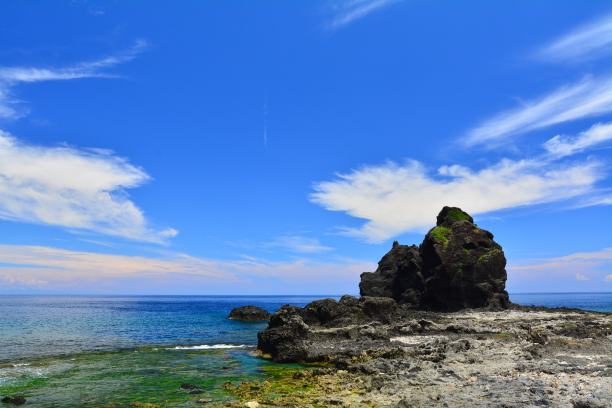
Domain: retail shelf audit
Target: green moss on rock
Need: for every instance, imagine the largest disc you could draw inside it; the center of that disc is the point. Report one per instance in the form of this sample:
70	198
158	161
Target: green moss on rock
455	214
489	256
440	234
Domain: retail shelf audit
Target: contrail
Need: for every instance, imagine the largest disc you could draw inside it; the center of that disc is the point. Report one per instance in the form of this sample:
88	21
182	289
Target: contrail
265	130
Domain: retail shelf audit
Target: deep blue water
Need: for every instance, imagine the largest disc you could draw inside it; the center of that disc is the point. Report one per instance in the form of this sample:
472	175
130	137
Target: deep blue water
38	326
599	302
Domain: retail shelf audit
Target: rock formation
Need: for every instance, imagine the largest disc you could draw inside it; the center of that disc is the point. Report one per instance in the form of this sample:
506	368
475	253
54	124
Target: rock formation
457	266
397	347
249	314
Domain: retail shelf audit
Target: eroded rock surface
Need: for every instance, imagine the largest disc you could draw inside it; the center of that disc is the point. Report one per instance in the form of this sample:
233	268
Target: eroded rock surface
521	357
435	328
457	266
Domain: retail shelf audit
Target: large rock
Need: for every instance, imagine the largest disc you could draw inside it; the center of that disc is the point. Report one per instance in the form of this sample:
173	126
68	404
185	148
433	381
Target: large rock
305	334
249	314
463	265
457	266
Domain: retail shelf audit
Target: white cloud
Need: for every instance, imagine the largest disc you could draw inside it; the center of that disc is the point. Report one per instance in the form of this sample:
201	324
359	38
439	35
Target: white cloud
349	11
72	188
10	77
561	146
49	267
587	42
394	199
589	98
299	244
608	278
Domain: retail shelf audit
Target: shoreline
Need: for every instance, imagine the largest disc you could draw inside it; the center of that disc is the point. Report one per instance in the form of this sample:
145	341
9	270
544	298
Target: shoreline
512	358
339	380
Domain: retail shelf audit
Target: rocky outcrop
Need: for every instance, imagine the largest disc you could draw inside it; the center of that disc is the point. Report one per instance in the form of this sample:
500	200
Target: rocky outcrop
249	314
519	357
457	266
398	345
399	276
290	335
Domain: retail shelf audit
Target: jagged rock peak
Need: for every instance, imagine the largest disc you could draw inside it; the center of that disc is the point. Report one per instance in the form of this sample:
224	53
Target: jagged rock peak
457	266
449	215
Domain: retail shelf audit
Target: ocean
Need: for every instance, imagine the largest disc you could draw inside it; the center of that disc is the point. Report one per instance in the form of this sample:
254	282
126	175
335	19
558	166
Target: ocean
72	351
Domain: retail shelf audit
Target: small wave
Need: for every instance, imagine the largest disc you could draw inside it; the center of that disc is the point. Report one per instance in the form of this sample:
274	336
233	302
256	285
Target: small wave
209	347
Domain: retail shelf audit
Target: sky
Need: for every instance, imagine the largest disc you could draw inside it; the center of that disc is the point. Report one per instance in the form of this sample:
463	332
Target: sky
275	147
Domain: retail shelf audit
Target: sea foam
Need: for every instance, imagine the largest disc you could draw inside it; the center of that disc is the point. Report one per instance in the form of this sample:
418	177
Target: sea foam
209	347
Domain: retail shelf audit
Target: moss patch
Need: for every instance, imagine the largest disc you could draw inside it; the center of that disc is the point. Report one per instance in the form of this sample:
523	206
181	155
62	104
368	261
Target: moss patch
441	235
486	258
455	214
296	388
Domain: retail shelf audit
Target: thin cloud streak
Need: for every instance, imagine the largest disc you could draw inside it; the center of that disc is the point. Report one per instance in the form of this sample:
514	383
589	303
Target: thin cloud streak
349	11
578	259
587	42
40	266
10	77
590	97
298	244
582	266
394	199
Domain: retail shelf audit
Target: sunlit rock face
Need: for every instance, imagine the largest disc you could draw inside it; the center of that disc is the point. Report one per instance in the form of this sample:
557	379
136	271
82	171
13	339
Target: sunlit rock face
457	266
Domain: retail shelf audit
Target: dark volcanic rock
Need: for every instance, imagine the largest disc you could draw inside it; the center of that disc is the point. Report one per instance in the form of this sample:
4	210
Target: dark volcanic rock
284	337
398	276
15	400
300	334
457	266
249	314
463	265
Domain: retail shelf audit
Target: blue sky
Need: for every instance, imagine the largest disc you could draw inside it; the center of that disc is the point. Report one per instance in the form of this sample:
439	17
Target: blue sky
280	147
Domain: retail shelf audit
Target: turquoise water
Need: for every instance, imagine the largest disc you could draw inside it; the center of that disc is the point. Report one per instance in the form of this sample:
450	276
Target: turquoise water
111	351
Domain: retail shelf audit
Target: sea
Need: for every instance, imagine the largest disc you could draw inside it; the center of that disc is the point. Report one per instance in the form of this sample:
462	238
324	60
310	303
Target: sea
75	351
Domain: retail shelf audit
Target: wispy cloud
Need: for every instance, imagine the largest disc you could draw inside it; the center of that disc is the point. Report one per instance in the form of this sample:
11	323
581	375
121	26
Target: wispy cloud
48	267
72	188
581	266
298	243
587	42
590	97
577	261
394	198
10	77
581	277
584	271
349	11
562	146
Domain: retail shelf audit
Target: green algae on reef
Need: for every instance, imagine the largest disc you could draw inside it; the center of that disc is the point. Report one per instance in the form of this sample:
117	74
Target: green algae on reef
137	377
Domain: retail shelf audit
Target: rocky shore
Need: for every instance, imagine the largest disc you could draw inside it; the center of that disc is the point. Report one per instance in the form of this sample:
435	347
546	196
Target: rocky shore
521	357
434	327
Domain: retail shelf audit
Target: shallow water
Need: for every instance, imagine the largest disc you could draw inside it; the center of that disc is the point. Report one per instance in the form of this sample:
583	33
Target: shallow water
97	351
111	351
